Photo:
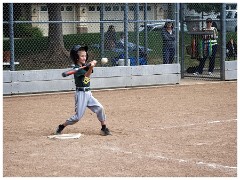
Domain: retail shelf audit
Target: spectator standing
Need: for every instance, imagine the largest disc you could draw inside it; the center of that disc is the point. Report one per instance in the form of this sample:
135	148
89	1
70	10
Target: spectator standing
110	38
169	43
209	47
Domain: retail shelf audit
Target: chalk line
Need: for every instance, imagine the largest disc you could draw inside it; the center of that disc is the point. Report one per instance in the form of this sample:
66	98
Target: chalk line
231	169
187	125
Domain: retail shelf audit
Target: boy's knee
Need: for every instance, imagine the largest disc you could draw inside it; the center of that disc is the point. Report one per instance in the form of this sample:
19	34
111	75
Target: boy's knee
101	114
73	120
99	109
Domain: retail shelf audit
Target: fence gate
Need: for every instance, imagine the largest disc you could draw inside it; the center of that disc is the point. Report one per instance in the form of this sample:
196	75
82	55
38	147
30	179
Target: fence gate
202	57
198	45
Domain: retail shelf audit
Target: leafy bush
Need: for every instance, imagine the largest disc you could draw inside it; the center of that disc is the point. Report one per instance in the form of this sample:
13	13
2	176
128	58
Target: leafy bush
25	30
36	32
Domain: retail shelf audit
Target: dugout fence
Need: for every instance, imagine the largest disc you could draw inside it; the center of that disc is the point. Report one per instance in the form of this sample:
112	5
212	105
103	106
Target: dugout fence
27	44
199	45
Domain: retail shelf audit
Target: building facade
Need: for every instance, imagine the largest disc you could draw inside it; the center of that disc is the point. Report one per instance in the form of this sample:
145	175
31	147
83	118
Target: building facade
87	16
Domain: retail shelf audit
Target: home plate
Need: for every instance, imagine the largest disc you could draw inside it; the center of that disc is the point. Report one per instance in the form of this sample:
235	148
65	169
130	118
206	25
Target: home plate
65	136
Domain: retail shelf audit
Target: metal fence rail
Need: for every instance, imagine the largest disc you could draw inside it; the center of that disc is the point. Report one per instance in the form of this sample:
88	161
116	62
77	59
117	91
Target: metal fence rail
27	44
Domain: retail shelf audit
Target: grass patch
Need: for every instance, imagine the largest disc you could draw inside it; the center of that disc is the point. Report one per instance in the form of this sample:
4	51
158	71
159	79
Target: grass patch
28	46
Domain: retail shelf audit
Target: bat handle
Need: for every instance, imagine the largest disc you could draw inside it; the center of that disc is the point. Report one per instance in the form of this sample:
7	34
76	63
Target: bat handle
88	65
64	74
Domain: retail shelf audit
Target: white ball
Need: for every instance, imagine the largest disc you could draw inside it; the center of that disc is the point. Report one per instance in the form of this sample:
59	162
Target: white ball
104	60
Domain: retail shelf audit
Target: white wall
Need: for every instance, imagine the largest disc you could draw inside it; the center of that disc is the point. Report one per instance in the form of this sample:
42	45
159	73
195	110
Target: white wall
37	81
230	70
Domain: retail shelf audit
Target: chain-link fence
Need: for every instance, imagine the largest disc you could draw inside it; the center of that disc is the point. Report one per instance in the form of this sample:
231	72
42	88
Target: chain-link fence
207	38
43	34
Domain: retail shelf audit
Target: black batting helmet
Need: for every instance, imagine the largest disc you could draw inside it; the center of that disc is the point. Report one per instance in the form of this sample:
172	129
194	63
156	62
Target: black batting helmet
74	52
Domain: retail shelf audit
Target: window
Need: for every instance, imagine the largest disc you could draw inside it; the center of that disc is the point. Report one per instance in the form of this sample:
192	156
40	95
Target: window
235	16
115	8
141	8
131	8
62	8
108	8
69	8
229	15
91	8
98	8
233	6
122	8
43	8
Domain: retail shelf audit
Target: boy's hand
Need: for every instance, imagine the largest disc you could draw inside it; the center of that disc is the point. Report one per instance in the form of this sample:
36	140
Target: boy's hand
93	63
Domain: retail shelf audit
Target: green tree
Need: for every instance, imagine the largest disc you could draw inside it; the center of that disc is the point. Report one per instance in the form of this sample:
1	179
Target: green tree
205	7
57	53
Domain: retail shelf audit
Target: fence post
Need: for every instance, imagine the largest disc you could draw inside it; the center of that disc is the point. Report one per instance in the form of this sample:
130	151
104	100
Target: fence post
126	33
145	28
223	41
11	33
136	17
177	32
182	5
102	29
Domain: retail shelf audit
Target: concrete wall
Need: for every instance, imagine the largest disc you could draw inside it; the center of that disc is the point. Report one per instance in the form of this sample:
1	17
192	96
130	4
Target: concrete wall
37	81
230	70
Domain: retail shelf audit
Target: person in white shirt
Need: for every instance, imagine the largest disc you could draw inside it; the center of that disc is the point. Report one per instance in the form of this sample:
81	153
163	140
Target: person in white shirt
209	48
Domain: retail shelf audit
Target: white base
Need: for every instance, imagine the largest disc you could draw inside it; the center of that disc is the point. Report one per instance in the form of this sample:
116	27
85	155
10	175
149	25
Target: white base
65	136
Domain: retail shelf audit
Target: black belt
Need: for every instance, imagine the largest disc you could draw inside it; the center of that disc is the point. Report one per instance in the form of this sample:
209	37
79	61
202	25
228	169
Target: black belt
83	88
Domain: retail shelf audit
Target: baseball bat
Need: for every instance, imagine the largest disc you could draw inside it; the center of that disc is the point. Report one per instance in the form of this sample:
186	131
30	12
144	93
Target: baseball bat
73	71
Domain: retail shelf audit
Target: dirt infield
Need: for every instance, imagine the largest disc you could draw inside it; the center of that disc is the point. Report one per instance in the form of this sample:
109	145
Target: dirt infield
166	131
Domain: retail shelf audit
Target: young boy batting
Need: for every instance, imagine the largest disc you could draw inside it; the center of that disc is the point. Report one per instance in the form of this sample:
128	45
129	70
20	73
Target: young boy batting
83	95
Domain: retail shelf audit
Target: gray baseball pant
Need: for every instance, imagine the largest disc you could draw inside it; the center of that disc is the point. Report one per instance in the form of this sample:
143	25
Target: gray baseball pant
84	99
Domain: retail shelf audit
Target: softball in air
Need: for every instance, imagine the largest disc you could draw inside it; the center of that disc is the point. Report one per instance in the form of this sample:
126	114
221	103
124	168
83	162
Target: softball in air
104	60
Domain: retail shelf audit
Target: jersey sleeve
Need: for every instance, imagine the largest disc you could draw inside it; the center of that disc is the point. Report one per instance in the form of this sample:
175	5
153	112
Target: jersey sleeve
80	72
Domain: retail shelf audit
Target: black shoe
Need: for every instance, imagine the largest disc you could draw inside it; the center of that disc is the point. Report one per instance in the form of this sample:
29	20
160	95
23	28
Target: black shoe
59	129
105	132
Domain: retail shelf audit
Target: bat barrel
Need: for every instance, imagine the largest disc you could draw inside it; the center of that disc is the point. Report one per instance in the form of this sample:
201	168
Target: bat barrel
73	71
69	72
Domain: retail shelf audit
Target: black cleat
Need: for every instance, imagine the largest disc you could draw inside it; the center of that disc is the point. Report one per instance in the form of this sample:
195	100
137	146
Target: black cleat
105	132
59	129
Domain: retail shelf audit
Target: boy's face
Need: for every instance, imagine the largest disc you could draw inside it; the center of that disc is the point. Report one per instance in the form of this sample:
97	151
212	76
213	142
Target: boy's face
82	56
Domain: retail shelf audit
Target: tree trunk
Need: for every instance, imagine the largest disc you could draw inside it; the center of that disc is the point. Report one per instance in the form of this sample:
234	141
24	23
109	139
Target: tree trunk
57	54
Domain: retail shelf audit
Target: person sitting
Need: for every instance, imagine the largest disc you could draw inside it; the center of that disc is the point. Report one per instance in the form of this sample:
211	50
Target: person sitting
231	49
120	43
131	46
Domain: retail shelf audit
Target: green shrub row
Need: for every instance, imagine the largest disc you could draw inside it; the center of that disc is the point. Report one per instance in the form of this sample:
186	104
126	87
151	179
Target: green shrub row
38	44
